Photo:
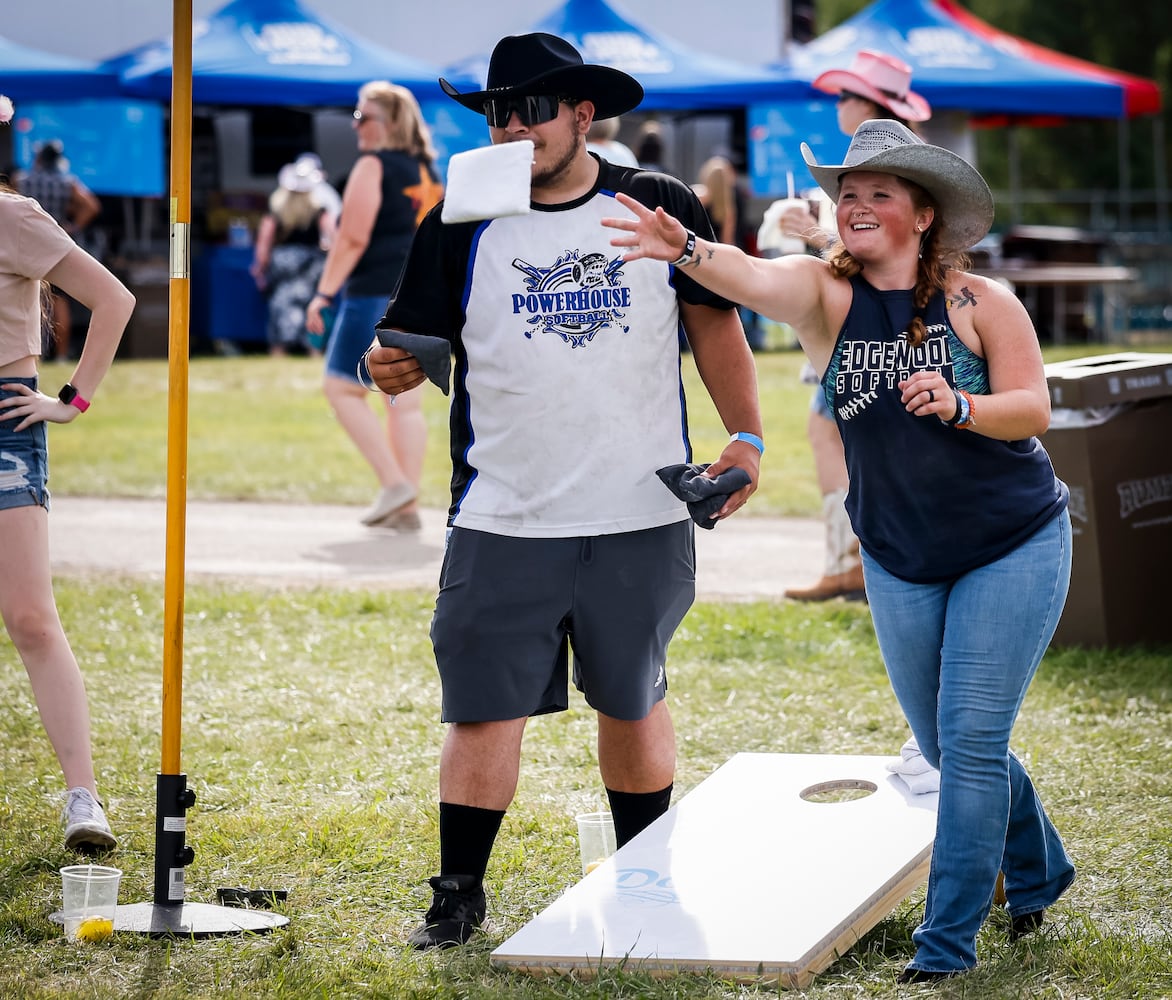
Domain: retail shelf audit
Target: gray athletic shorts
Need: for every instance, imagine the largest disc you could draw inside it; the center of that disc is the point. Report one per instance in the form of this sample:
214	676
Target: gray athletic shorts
510	609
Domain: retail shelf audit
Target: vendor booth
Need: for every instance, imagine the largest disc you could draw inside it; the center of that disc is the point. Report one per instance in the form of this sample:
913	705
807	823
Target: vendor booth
270	79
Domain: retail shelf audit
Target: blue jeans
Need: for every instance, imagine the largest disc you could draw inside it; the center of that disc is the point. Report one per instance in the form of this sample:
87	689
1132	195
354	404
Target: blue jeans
961	656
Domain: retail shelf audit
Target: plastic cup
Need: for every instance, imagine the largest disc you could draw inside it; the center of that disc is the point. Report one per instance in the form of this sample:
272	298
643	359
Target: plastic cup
89	897
794	244
596	839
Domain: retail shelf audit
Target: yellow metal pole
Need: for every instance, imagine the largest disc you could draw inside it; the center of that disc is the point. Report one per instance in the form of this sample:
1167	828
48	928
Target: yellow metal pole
169	914
180	314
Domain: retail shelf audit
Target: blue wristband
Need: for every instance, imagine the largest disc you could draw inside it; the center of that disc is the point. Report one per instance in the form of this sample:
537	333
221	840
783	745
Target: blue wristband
748	438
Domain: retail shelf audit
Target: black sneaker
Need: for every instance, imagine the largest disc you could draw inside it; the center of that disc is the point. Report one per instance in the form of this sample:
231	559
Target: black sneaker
457	909
1025	923
909	976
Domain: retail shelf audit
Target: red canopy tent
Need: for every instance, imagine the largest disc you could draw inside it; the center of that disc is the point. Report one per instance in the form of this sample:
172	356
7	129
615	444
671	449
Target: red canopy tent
965	66
1140	96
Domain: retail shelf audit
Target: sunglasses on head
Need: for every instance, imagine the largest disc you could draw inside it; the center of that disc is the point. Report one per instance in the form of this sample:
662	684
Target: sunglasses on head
536	109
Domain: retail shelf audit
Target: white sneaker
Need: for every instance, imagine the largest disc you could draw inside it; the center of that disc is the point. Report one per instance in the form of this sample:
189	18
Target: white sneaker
389	500
86	828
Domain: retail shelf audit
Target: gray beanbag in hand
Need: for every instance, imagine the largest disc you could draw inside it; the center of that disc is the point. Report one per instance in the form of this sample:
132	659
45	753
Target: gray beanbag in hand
434	354
703	496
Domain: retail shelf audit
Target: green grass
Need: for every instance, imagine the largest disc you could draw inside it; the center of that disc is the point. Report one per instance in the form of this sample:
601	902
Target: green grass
259	429
310	736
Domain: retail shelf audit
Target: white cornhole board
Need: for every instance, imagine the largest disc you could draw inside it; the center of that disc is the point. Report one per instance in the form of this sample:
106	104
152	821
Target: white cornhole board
744	876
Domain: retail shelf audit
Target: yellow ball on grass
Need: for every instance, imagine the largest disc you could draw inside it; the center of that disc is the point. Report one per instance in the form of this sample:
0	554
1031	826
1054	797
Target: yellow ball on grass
94	929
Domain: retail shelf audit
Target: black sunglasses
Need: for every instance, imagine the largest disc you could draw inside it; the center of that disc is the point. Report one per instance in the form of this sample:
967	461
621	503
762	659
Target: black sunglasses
850	95
536	109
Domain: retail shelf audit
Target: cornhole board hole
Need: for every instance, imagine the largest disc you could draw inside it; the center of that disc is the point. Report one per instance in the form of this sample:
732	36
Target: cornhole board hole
768	870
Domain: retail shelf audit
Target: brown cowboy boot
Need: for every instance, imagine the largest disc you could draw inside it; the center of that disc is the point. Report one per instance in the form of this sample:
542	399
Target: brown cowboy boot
843	576
848	585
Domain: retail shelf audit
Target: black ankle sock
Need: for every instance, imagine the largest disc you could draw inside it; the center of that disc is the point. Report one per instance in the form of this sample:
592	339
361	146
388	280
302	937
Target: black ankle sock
634	811
467	834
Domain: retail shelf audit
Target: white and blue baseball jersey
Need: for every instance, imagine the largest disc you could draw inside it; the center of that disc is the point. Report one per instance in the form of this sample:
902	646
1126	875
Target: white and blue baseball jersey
567	392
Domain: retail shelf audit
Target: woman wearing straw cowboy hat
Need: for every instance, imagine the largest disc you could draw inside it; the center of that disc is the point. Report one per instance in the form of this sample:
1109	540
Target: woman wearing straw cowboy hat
876	85
567	403
291	244
935	378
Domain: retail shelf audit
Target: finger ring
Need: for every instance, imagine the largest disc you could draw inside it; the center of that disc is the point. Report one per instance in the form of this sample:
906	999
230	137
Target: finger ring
931	396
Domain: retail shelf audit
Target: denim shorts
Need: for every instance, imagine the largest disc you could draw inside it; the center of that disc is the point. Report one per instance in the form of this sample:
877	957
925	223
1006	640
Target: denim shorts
818	403
353	333
24	459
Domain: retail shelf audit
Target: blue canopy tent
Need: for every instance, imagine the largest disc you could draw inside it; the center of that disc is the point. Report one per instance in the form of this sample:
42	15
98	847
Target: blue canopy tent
273	52
674	77
267	54
113	144
30	74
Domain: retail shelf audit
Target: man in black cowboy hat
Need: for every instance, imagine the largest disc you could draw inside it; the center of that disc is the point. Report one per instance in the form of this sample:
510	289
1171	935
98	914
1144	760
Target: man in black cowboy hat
567	400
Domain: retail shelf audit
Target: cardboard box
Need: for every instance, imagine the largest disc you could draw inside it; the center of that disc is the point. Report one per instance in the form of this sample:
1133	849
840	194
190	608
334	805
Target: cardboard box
1109	378
1117	461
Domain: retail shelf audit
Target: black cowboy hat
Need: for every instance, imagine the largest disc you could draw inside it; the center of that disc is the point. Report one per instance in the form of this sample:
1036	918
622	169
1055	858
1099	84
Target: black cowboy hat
539	63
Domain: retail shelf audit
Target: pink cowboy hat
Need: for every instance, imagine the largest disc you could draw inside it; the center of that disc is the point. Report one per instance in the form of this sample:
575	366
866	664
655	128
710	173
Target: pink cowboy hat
880	78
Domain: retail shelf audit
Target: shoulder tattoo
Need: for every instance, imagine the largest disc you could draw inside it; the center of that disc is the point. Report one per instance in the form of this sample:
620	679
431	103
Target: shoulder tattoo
964	298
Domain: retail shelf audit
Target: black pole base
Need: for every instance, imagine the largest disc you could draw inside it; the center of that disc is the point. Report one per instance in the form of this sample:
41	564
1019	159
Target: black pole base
194	920
169	915
172	800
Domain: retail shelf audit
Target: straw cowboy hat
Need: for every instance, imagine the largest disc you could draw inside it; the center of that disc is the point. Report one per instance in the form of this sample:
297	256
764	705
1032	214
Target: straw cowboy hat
880	78
539	63
963	200
303	174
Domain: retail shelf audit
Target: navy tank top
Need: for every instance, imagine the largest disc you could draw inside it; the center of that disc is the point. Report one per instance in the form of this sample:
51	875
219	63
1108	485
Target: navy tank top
928	502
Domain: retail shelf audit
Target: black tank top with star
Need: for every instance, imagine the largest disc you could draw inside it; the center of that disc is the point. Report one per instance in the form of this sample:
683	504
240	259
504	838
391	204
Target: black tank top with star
410	189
